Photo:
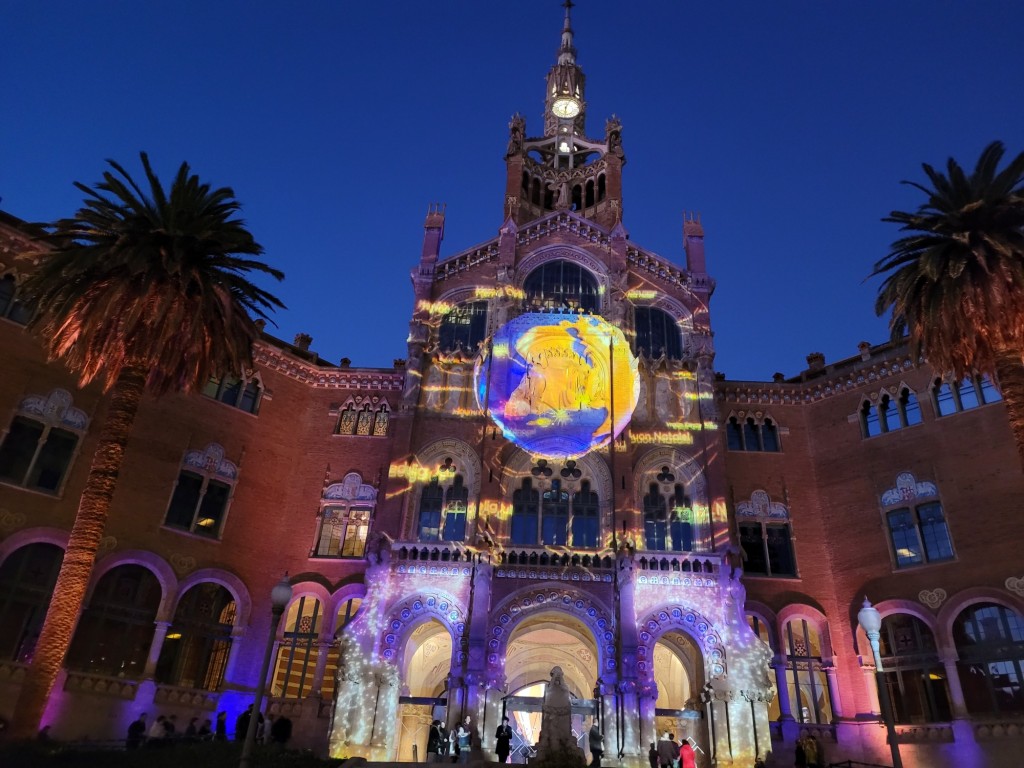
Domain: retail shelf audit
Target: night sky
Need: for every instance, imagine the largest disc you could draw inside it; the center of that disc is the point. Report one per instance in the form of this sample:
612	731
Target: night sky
787	125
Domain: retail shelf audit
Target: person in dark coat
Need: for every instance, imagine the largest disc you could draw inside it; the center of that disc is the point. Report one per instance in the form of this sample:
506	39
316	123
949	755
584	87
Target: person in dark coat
436	743
136	733
596	739
220	731
503	740
281	730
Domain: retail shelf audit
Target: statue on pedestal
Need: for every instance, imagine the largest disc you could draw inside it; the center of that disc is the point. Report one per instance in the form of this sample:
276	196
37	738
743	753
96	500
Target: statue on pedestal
556	735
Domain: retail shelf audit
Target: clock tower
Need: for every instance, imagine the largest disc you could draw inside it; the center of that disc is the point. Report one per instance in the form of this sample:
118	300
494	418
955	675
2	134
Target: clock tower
564	169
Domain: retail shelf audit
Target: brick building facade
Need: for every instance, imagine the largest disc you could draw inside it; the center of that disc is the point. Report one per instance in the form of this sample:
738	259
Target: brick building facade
692	552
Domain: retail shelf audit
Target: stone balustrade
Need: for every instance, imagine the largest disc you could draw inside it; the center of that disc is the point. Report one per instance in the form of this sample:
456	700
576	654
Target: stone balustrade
102	685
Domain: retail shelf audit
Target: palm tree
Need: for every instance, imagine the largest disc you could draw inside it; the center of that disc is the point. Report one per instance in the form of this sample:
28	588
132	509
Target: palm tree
955	281
146	293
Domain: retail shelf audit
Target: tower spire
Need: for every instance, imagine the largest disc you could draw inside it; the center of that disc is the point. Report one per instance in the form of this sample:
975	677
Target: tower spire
565	84
567	52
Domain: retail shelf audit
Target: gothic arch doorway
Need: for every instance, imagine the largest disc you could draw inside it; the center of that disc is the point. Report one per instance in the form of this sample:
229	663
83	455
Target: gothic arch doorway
678	672
539	643
425	665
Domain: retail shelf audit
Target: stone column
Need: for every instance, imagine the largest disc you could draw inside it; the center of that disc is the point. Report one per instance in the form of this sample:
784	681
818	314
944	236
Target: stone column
159	635
782	685
834	695
956	691
323	648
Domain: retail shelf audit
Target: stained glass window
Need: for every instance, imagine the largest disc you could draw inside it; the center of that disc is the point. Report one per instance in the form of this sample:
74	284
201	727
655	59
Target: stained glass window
380	424
347	420
365	423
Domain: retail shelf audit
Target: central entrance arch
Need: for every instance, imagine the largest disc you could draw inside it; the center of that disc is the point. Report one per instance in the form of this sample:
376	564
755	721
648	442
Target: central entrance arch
678	672
426	663
540	642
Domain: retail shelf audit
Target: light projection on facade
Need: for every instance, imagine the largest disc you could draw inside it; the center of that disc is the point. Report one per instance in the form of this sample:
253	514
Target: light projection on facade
558	385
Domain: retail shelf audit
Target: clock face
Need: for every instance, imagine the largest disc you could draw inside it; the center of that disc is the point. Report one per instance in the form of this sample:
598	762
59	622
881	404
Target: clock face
565	108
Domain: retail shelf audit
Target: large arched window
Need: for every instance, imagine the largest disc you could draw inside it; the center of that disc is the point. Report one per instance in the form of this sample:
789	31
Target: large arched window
990	644
27	577
463	327
525	503
805	674
116	629
456	501
657	331
556	511
298	653
444	505
562	284
913	673
668	516
196	648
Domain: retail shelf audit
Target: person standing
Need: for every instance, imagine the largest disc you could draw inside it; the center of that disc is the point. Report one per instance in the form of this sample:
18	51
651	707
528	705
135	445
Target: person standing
136	733
435	737
596	739
464	740
220	731
157	732
503	740
652	756
667	751
687	759
281	730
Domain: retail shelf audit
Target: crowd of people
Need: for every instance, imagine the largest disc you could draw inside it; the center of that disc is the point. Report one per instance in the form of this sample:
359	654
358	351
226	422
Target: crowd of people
164	731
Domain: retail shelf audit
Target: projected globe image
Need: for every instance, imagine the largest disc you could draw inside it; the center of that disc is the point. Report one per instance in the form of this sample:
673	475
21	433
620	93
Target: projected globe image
558	385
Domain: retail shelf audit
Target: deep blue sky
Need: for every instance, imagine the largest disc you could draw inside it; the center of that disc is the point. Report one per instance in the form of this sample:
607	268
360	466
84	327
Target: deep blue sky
788	125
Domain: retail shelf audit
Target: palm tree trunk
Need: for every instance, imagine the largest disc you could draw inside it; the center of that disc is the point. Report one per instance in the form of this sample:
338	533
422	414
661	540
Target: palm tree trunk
1010	372
69	591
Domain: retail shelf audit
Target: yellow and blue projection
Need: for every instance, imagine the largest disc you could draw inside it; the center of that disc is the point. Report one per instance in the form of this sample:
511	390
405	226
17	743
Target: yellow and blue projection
558	385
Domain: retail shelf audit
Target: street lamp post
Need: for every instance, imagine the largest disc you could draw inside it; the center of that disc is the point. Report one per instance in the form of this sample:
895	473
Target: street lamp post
279	597
870	621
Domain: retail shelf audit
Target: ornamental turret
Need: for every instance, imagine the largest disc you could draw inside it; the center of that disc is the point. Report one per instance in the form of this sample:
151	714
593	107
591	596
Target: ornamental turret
564	170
